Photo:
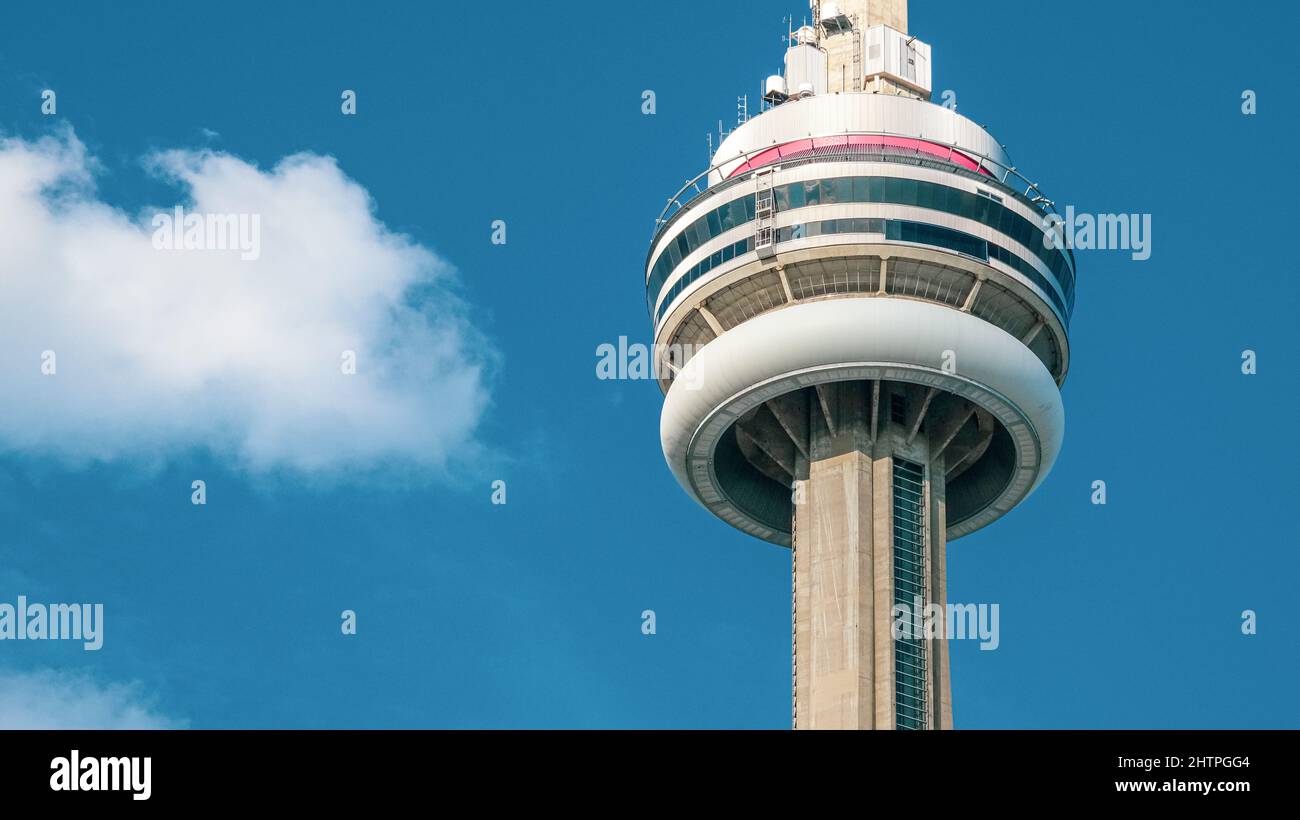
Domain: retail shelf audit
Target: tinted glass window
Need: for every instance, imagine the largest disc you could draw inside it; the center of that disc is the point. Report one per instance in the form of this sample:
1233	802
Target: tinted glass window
842	189
812	192
796	194
860	189
1025	231
724	217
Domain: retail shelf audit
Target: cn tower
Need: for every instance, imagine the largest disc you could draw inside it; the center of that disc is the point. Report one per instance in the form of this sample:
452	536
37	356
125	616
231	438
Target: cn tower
862	330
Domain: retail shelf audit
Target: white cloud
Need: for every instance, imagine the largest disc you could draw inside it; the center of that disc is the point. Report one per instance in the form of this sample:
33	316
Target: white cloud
160	351
47	699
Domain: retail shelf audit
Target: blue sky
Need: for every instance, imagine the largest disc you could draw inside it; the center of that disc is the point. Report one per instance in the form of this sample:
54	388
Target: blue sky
528	615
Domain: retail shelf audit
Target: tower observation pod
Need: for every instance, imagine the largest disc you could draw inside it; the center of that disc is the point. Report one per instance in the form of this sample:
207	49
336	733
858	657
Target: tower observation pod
862	331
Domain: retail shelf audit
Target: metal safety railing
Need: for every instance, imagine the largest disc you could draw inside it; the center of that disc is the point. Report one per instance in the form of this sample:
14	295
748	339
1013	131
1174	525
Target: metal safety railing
1010	178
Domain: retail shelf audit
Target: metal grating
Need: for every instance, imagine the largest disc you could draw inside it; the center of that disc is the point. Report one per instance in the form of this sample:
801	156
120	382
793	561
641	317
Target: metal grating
828	277
909	587
922	280
999	306
746	299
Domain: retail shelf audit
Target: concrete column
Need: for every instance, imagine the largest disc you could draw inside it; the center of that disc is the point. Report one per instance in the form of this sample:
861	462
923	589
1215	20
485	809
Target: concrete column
834	594
844	568
882	533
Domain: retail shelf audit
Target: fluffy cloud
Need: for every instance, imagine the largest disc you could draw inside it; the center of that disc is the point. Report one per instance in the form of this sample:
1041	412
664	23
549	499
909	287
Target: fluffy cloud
54	700
159	351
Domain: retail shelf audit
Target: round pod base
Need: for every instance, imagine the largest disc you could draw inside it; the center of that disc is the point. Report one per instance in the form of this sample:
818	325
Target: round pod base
933	350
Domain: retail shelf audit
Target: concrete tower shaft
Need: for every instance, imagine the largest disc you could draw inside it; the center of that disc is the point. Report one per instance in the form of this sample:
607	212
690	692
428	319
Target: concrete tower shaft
848	33
892	13
869	528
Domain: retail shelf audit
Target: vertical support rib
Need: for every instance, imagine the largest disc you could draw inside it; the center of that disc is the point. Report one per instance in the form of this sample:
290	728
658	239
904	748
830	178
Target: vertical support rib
974	292
826	398
791	412
712	320
1033	333
875	407
763	432
785	285
920	413
947	428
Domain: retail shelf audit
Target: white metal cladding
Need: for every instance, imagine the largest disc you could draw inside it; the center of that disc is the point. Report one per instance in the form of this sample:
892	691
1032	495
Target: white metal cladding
805	64
831	114
895	339
897	55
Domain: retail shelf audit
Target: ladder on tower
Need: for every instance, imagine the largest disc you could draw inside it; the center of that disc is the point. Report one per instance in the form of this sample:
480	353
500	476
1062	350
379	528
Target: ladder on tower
858	34
765	214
